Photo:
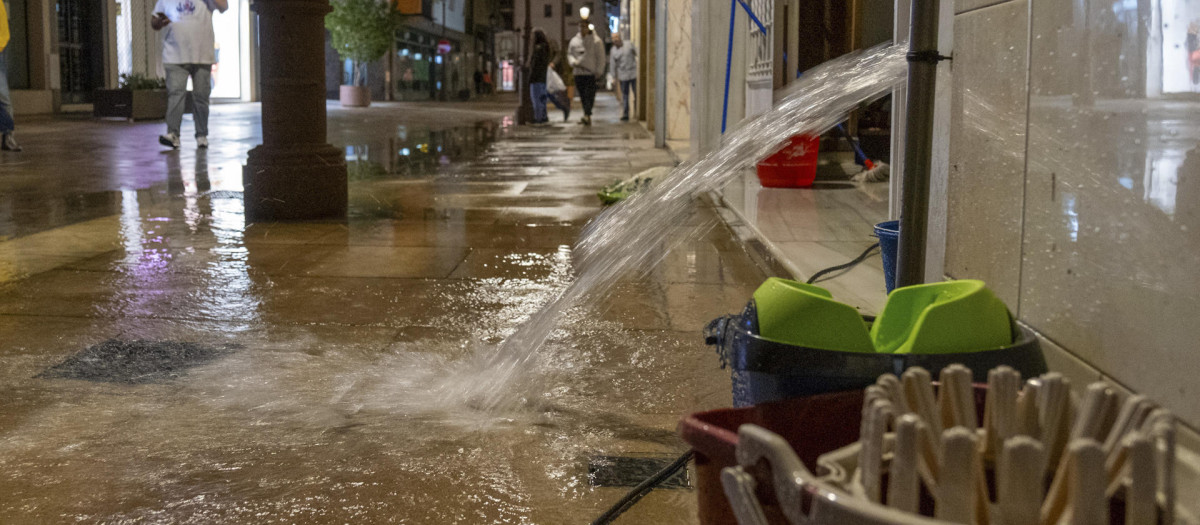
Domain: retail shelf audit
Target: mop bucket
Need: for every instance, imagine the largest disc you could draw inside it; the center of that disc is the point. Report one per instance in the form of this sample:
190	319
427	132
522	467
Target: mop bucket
889	238
793	166
763	370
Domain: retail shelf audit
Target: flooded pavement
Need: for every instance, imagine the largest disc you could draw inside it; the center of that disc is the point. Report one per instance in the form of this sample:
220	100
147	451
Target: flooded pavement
162	361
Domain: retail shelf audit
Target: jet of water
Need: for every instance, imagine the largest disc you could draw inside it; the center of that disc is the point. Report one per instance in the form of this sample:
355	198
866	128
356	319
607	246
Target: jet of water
637	233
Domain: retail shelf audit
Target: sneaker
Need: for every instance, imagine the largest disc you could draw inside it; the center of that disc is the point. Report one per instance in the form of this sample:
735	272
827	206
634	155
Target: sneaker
567	115
587	120
201	142
8	143
625	118
170	140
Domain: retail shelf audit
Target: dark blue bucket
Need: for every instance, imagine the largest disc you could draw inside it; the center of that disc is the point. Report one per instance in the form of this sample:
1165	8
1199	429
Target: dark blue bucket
764	370
889	237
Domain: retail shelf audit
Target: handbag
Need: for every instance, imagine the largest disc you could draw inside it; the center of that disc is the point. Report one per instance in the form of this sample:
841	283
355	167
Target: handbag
554	83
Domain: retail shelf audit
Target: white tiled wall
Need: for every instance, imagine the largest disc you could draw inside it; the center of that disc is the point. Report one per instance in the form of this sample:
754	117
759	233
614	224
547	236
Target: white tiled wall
1074	193
987	151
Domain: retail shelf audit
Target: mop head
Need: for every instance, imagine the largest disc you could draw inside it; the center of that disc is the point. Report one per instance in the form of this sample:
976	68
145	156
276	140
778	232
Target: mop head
619	191
880	173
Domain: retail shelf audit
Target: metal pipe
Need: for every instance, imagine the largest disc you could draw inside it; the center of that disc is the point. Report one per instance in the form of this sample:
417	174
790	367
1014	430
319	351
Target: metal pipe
918	141
660	74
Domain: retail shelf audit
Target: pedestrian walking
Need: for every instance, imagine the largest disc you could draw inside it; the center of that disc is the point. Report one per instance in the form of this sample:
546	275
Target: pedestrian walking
623	66
7	124
539	61
585	53
188	44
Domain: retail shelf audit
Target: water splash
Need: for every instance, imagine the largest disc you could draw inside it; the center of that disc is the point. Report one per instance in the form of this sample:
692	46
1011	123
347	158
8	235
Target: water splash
638	233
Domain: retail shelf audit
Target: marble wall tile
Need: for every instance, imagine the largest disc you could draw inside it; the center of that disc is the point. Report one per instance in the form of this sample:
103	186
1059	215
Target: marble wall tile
1112	208
679	69
987	153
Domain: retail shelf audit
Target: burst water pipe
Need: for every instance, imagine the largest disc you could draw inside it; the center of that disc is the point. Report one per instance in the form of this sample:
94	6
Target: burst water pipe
923	59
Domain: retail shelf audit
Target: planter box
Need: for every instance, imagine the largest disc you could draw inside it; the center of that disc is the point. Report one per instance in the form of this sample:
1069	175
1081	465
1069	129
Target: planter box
142	104
355	96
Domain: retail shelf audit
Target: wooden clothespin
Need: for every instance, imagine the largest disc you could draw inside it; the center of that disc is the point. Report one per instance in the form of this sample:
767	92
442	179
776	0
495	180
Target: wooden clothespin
1020	475
1086	503
1098	403
1054	417
956	399
891	384
1133	415
1161	427
871	448
956	496
903	487
1028	423
1000	409
1141	499
918	391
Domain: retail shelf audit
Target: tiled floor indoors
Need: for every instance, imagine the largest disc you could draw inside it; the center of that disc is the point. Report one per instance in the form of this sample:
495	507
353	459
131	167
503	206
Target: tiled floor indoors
329	357
801	231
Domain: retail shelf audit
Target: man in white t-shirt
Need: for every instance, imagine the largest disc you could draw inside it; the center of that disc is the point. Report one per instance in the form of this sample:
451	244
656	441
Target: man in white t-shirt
187	52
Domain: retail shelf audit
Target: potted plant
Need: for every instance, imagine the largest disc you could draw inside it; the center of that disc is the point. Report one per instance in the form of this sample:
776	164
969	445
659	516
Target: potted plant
137	97
362	31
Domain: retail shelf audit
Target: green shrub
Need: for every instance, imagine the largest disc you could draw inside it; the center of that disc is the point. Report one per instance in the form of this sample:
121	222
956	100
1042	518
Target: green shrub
362	31
137	81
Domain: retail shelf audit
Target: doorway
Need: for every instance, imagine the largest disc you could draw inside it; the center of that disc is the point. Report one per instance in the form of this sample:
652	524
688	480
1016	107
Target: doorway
81	48
227	70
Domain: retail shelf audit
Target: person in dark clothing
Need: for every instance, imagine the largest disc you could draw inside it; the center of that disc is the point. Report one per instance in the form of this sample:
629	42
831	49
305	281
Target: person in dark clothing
539	61
478	82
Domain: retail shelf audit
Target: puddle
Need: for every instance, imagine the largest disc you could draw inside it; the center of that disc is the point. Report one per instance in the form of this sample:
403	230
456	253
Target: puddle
418	152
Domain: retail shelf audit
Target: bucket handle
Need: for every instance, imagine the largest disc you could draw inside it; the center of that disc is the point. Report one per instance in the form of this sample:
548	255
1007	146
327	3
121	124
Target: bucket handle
714	335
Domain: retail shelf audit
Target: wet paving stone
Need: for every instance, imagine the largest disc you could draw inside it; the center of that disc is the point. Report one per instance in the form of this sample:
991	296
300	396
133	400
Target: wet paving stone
222	371
136	362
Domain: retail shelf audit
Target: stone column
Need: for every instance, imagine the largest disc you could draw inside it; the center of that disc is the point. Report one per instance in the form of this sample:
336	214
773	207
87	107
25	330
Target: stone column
294	174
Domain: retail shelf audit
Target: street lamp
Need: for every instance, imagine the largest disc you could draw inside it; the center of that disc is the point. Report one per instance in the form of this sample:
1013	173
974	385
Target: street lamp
584	12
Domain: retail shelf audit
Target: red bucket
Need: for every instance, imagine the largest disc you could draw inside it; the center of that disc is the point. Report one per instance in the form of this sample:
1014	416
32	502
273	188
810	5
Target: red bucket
813	426
793	166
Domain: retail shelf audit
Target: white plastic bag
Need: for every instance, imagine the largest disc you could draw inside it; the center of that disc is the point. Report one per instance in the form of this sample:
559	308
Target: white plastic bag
554	83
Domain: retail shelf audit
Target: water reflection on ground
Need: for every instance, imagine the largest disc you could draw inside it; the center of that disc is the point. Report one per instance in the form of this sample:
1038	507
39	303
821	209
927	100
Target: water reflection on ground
419	151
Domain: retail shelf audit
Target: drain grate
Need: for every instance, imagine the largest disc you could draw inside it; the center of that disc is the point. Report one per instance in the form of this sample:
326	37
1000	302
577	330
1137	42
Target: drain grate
629	471
136	362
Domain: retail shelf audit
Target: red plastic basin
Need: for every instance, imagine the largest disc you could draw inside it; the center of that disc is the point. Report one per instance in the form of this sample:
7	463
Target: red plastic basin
793	166
812	425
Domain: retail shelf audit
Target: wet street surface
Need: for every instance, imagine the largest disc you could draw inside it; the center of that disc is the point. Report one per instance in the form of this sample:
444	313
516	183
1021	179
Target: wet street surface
163	361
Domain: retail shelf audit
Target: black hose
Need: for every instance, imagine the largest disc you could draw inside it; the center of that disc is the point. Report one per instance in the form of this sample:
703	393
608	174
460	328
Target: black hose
642	489
866	253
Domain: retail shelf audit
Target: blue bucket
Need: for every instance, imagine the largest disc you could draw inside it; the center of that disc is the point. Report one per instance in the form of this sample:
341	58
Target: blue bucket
889	237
